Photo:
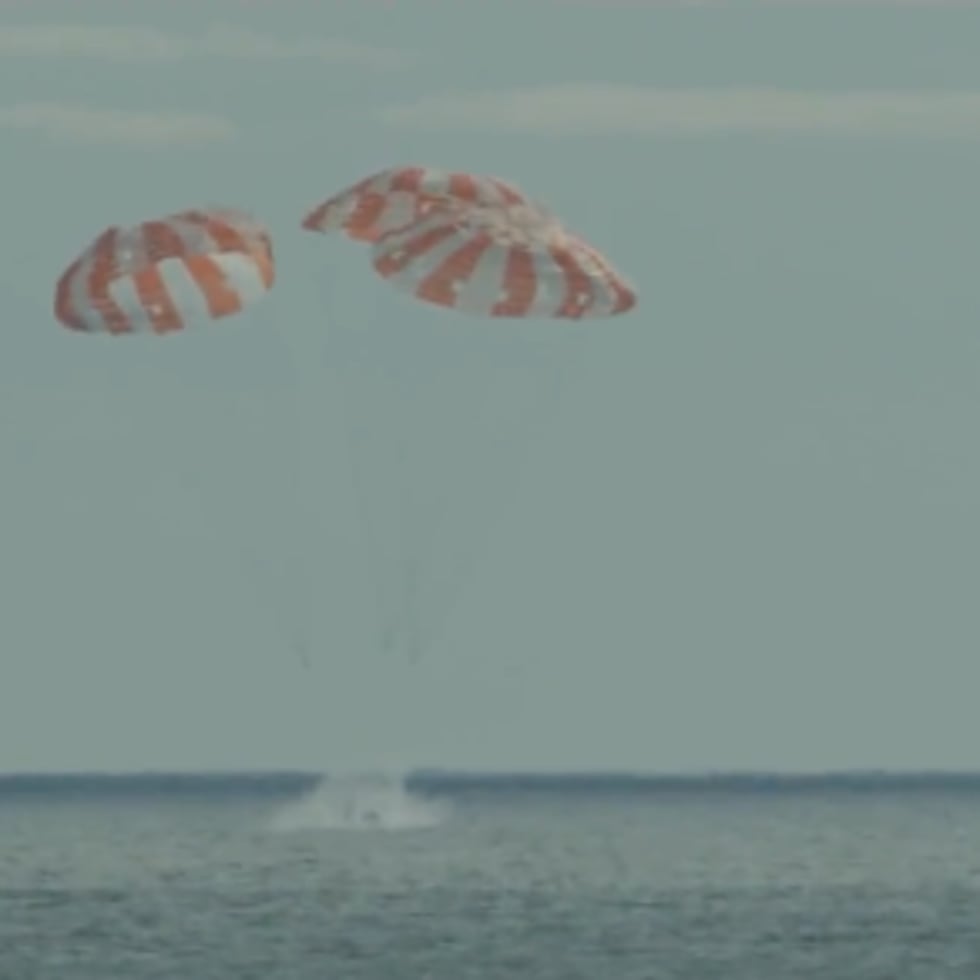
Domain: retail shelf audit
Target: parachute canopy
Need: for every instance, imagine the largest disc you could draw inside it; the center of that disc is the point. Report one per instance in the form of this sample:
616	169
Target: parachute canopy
504	261
474	244
168	273
391	199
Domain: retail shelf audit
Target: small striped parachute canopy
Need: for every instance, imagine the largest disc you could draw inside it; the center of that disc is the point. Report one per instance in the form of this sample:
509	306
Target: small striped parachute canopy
166	274
505	260
394	198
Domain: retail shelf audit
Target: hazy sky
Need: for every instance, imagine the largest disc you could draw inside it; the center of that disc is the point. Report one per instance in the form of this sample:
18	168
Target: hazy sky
736	529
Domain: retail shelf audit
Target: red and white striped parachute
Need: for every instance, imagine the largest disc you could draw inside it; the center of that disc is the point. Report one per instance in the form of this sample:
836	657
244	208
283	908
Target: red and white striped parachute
507	261
168	273
475	244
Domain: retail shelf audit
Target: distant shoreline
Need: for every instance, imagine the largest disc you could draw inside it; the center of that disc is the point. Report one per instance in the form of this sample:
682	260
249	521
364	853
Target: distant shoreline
456	783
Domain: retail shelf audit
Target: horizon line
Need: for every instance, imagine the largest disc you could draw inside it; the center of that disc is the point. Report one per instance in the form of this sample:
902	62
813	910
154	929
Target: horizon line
451	772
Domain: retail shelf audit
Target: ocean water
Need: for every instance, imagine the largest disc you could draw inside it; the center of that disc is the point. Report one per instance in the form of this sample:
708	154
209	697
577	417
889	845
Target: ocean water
456	878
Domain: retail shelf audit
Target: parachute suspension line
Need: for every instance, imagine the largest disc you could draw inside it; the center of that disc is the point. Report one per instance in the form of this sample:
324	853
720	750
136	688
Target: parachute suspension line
308	566
338	366
306	582
463	561
392	211
399	598
302	517
409	558
382	599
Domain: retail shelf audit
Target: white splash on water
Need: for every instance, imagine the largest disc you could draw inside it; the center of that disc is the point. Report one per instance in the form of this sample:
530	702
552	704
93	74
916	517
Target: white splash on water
361	801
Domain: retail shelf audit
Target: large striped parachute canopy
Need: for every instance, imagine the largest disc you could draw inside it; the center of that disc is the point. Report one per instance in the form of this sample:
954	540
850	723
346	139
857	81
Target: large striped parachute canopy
475	244
511	261
163	275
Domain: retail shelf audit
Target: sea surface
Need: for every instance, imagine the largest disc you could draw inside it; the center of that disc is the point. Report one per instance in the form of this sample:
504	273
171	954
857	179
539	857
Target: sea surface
450	877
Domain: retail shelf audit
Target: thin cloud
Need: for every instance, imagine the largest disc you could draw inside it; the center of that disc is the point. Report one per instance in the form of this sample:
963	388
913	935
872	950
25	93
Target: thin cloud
143	44
595	109
85	124
845	3
747	4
